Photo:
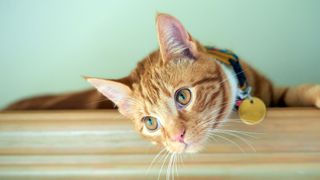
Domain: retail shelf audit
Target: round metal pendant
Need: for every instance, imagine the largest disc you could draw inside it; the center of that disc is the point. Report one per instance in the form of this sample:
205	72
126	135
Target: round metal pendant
252	111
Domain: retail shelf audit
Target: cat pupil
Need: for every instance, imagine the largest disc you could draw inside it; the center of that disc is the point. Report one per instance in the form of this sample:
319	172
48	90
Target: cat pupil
182	96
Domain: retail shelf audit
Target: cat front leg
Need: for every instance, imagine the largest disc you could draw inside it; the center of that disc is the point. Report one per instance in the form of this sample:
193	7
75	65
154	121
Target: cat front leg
302	95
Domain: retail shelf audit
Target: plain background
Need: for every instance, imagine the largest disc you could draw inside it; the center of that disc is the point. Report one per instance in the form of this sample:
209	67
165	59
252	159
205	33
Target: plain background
45	46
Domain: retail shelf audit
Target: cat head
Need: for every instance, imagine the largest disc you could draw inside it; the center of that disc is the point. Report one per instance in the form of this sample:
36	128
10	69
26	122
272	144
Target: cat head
176	95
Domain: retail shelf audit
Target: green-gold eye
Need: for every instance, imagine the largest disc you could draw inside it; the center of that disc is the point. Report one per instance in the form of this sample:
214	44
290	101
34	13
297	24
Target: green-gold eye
151	123
183	96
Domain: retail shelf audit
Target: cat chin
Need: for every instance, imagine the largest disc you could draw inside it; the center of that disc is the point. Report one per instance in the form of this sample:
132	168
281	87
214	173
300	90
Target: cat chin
193	147
187	149
176	147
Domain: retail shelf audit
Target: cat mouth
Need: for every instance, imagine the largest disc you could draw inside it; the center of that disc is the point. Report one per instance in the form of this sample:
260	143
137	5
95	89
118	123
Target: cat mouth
187	147
184	147
178	147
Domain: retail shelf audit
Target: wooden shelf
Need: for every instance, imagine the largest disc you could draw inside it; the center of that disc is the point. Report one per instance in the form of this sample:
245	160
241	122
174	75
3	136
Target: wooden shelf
102	145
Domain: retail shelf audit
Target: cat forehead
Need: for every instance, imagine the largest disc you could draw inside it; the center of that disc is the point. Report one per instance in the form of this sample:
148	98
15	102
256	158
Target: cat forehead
168	77
152	92
156	82
160	83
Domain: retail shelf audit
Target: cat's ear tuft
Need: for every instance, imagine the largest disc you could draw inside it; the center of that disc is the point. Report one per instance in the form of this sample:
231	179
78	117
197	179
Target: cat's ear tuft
117	92
174	40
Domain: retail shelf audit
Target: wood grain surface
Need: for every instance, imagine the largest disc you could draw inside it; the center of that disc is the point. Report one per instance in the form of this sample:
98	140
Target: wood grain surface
102	145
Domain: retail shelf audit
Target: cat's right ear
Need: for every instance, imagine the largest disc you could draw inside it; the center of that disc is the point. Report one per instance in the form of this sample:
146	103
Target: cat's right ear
174	40
117	92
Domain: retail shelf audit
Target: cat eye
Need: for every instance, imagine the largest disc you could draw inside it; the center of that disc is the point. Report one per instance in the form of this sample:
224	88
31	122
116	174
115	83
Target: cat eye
151	123
183	96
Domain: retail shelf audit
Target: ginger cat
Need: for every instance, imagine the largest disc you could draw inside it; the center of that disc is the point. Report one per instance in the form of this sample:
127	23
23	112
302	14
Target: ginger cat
178	93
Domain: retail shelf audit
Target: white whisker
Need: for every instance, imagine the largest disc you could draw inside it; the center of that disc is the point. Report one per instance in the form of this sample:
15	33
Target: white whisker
176	164
168	173
154	159
165	159
241	138
230	141
244	132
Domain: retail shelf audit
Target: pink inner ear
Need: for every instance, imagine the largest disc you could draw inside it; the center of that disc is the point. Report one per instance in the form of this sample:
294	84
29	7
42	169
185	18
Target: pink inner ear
174	30
114	91
174	40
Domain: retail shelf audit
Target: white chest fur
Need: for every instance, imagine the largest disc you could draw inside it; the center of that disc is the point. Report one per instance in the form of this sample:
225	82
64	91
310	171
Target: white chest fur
233	82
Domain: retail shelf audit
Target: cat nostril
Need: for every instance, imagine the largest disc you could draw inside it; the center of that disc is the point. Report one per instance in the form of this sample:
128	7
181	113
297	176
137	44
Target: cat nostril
183	133
180	137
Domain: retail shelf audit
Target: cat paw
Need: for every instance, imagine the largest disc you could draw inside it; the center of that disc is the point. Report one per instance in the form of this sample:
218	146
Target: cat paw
310	95
317	96
317	103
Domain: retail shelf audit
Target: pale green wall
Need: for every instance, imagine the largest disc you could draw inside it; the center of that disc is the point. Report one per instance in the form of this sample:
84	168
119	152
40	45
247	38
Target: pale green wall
45	46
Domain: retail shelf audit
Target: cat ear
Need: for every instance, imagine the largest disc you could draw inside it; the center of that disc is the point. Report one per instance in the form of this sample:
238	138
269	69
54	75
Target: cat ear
174	40
117	92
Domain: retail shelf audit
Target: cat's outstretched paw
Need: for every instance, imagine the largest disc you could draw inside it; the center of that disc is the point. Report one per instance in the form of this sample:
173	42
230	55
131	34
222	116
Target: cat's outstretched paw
316	95
318	103
304	95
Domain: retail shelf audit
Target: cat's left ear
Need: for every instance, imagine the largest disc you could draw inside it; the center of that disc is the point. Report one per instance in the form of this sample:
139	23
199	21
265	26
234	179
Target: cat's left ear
117	92
174	40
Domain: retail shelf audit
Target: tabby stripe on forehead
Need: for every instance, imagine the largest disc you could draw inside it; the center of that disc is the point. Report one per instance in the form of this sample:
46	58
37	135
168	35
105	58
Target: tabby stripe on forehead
205	80
165	91
154	88
160	83
145	109
152	92
141	90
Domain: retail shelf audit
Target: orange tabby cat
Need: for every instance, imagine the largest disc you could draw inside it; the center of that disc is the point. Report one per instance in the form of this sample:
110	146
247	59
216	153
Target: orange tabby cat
178	93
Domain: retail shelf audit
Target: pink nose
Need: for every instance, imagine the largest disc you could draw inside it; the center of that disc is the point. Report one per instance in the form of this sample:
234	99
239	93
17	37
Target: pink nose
180	136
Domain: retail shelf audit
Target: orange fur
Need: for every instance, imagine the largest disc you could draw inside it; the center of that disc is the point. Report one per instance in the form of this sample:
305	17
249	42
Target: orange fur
149	90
